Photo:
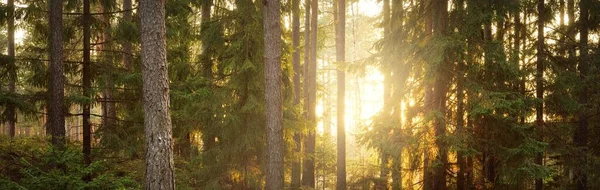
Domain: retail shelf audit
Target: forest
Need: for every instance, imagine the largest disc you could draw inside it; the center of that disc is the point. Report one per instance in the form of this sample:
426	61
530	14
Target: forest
300	94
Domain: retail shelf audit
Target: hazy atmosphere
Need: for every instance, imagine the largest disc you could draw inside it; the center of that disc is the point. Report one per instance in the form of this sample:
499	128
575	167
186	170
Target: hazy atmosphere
300	94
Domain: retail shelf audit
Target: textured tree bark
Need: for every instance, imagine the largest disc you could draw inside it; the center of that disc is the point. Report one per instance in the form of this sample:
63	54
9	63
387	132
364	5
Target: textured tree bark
296	168
341	97
273	98
539	88
157	120
581	133
87	84
308	177
11	113
56	117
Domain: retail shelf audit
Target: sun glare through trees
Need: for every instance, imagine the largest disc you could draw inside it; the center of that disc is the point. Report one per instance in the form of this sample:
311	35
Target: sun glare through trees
300	94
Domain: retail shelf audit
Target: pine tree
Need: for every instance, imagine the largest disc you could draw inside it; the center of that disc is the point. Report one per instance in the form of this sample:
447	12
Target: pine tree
308	175
296	167
440	89
12	76
127	47
273	98
539	87
581	132
56	117
340	33
157	119
87	84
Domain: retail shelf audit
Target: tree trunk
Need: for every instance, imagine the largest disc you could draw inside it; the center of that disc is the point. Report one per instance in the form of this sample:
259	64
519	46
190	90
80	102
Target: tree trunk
387	89
488	165
341	97
516	59
539	88
275	148
427	172
11	113
87	86
109	112
440	91
296	168
208	137
309	165
460	107
460	122
307	51
157	120
401	72
127	47
581	133
56	108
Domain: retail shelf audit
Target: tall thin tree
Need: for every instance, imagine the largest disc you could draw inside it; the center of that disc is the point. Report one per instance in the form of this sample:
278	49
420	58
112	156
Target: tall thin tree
340	34
157	119
127	47
428	96
440	91
460	108
207	63
12	76
307	51
308	177
56	117
87	84
539	86
581	132
296	168
272	28
109	112
387	94
400	74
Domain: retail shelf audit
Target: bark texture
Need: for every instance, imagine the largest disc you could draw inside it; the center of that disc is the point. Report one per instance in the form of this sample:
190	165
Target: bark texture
56	117
157	120
273	79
